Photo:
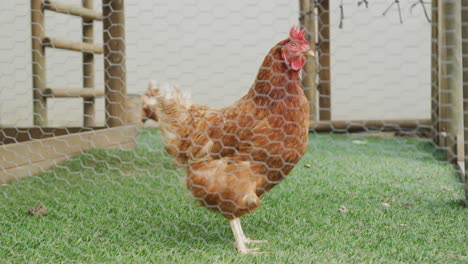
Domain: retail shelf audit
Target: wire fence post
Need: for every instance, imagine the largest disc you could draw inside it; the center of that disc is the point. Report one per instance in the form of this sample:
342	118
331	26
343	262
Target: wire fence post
454	79
309	81
114	61
435	72
324	86
464	15
38	63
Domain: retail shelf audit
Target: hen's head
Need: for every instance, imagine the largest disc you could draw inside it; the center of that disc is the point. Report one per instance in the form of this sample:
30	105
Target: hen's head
296	48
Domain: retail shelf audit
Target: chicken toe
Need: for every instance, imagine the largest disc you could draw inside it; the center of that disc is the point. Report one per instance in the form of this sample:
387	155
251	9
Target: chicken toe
252	251
245	238
241	240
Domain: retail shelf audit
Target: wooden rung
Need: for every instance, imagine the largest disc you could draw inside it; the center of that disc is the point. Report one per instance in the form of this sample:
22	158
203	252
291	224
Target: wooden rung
70	45
73	92
369	125
72	10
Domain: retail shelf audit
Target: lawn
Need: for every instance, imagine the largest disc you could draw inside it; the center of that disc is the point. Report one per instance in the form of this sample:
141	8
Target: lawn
399	203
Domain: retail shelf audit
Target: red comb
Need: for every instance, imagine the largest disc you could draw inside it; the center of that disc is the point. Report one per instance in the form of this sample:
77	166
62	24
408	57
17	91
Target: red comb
297	33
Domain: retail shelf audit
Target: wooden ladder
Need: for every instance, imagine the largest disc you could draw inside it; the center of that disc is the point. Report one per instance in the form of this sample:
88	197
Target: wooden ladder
40	41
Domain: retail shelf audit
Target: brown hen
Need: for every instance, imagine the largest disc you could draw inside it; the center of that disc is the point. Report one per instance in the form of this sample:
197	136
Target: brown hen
236	154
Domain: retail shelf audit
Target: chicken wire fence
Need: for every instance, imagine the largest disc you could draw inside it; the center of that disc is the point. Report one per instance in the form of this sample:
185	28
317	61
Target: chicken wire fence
100	154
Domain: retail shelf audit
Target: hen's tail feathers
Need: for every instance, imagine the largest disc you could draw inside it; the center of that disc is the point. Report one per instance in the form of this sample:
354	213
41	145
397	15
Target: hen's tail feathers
172	108
148	100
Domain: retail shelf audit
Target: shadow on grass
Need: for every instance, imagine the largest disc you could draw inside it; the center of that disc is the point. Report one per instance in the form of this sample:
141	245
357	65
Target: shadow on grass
457	204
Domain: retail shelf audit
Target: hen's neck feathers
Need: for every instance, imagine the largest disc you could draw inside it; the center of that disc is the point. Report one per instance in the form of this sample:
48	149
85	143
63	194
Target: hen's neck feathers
275	77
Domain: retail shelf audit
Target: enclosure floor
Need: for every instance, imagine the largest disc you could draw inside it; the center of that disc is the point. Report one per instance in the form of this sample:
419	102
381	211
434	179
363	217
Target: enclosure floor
399	203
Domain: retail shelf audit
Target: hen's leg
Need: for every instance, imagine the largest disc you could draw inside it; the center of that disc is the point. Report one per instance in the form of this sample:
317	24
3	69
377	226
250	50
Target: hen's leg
246	239
240	244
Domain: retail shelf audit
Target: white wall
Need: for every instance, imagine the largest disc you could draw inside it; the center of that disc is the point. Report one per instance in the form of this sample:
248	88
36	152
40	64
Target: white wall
381	69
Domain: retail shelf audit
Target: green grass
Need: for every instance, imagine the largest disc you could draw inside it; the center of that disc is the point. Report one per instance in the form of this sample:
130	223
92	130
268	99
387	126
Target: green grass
130	206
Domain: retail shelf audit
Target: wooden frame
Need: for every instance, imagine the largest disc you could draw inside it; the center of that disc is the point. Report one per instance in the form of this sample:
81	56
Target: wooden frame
30	157
454	79
87	47
38	63
419	127
464	16
85	12
318	27
27	151
449	81
71	45
447	78
21	134
324	86
435	70
309	81
74	92
114	61
442	73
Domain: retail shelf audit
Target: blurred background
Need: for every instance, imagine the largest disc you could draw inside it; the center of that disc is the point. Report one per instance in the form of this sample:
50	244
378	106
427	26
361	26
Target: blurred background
380	67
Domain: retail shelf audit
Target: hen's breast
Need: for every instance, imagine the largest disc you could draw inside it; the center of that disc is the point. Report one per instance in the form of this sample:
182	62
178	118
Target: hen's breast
271	134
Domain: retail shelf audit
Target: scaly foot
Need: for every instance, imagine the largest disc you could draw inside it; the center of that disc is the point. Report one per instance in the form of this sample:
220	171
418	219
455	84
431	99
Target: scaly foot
251	251
241	240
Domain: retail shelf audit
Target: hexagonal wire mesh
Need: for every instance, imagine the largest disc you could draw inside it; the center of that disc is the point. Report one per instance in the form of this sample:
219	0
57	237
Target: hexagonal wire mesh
379	112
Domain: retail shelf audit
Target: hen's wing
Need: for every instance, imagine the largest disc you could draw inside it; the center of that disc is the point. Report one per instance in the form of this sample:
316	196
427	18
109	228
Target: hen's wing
224	185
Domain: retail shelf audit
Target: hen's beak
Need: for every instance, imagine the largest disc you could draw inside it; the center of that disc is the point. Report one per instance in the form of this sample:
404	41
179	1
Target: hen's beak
310	53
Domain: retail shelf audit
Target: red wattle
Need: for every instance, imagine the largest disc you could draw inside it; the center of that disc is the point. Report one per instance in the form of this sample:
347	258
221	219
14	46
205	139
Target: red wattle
297	63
